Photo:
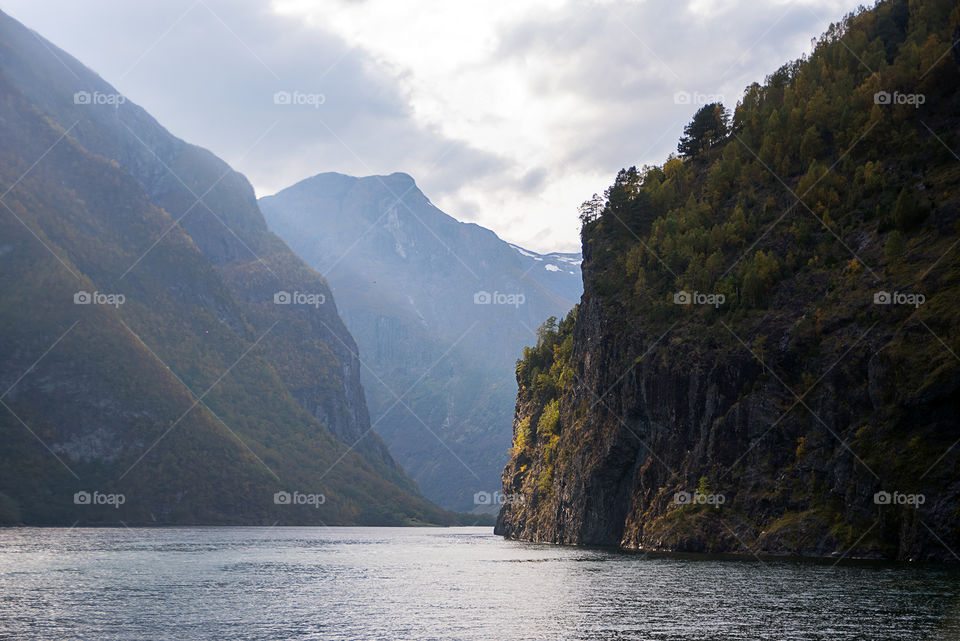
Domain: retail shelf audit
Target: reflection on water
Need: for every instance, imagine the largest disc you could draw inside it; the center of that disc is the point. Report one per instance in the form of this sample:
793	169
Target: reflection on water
457	583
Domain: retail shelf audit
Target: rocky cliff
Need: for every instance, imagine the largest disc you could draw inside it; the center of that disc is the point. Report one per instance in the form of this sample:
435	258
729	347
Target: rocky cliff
764	360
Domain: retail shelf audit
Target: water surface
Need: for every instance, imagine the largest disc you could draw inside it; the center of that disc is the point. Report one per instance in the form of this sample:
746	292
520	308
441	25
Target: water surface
451	583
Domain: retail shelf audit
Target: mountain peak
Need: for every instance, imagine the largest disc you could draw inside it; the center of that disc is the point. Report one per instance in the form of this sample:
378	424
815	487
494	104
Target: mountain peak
332	184
400	176
424	294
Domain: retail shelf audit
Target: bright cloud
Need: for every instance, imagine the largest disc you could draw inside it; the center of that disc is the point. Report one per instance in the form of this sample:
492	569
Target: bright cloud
508	114
573	90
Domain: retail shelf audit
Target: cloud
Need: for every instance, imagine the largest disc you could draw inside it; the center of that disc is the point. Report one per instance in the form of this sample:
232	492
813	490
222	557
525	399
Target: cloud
532	180
508	114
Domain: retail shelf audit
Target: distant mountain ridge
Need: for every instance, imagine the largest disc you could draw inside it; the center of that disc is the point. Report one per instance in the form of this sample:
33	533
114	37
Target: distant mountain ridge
552	271
441	310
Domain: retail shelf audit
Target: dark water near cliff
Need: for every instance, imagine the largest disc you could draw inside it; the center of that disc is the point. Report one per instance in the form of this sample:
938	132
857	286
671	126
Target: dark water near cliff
460	583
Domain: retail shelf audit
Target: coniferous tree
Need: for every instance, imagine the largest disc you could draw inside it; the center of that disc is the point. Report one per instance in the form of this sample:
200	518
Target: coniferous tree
710	125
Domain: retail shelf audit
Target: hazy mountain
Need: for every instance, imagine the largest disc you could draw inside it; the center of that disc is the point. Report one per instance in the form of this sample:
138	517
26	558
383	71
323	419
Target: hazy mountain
558	272
147	350
441	311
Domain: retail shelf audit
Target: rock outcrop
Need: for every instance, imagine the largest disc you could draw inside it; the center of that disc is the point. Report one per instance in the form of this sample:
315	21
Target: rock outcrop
807	403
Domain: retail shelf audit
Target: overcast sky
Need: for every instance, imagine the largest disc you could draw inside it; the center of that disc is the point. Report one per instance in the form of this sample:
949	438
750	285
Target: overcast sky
508	113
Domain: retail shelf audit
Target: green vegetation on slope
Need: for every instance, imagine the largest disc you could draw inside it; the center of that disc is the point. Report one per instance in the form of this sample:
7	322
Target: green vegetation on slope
736	324
198	398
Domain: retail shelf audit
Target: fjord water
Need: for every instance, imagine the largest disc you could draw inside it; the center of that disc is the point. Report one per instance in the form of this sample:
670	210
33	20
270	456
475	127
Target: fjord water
451	583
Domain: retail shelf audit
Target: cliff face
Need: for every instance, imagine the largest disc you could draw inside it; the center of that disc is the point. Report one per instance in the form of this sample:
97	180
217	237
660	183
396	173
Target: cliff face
812	411
651	412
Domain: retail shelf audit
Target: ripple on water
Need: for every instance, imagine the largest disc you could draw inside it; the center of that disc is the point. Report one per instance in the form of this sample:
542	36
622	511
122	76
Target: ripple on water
458	583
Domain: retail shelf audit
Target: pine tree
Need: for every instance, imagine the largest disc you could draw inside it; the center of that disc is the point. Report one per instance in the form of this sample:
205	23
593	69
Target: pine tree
710	125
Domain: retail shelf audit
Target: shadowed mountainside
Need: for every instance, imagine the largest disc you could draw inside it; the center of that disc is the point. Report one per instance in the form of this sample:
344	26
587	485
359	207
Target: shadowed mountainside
144	352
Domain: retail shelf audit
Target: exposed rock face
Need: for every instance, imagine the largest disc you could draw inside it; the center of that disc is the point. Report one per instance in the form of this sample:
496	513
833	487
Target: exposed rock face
653	413
955	49
814	412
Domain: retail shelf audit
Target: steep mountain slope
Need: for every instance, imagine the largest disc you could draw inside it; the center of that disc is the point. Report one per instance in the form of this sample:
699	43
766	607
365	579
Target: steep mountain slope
440	310
194	394
765	358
